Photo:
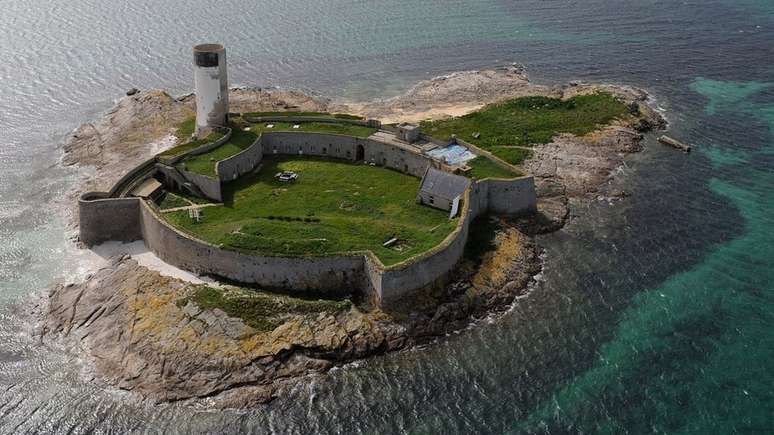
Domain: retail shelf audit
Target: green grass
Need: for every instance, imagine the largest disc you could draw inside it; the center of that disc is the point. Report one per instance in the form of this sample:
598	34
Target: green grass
482	167
528	120
170	200
316	127
186	129
191	145
183	133
260	310
240	140
303	114
334	207
514	156
205	163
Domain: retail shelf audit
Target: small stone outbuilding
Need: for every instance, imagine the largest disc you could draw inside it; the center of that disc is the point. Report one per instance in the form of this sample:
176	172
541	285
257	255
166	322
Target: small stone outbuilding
439	188
408	132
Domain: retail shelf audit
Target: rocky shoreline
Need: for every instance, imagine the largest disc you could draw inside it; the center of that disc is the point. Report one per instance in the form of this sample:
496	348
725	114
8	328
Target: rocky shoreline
142	332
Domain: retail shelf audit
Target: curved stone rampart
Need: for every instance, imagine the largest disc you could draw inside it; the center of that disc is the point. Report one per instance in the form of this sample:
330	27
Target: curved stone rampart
239	164
131	177
209	186
128	219
347	148
329	274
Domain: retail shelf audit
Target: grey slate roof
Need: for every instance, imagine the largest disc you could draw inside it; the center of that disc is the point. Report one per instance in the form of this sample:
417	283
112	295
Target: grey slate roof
443	184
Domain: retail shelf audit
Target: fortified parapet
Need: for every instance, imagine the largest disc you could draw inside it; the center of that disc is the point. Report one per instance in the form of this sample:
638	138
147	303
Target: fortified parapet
211	83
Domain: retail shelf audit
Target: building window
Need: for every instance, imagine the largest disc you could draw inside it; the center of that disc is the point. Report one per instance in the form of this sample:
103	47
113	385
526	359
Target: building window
431	200
325	150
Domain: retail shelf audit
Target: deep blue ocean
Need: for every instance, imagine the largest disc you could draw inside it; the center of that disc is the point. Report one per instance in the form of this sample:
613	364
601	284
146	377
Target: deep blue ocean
654	314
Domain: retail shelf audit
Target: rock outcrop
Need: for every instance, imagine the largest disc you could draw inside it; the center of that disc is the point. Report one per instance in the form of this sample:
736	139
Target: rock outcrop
145	333
142	332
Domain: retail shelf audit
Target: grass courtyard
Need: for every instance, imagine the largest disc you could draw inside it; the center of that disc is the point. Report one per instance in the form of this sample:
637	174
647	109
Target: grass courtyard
504	129
333	207
243	135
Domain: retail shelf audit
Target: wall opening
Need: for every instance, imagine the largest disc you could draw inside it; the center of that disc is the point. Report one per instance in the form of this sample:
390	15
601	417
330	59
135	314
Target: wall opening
360	153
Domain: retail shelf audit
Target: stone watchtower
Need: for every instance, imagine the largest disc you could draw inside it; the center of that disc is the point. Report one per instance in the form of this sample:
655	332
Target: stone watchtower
211	83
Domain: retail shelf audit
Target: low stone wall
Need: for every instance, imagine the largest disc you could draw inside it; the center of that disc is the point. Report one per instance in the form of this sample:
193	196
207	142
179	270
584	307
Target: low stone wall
102	218
482	152
209	186
330	274
130	177
373	123
233	167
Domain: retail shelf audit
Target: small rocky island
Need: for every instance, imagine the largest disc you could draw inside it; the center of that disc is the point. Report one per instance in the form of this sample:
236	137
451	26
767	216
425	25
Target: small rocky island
236	339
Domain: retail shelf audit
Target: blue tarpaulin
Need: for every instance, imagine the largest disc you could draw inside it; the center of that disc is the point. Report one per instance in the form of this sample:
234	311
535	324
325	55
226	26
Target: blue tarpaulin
452	154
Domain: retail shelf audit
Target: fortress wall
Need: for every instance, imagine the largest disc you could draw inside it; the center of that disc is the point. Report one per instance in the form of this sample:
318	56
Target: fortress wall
233	167
209	186
511	196
435	267
130	177
391	156
102	219
345	147
313	144
334	274
128	219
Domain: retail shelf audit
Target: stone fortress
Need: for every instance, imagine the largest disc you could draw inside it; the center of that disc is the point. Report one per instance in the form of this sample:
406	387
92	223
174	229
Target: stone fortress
127	213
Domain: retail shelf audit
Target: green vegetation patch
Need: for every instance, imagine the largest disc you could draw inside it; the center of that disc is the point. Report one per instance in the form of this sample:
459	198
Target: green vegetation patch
170	200
205	163
192	145
183	133
333	207
528	120
512	155
482	167
302	114
261	310
242	137
315	127
185	129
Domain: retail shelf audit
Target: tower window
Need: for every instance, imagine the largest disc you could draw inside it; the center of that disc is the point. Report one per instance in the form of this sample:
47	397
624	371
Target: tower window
206	59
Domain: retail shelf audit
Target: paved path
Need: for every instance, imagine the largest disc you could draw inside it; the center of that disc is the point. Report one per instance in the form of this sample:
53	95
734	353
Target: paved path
190	207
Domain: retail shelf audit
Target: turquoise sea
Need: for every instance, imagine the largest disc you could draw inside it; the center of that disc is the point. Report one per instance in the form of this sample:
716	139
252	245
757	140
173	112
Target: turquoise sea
654	314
